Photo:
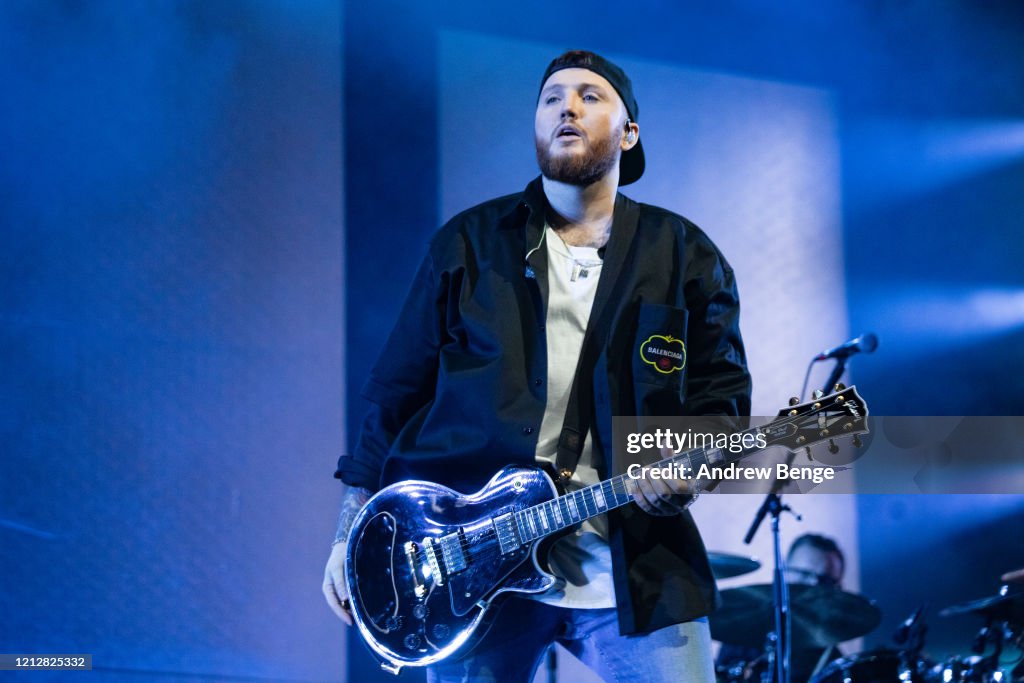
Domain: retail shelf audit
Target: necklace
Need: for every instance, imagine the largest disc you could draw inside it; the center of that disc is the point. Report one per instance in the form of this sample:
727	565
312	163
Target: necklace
581	267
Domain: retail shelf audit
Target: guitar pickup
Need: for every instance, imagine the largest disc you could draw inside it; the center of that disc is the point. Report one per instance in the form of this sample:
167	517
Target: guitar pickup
508	540
454	554
446	556
431	550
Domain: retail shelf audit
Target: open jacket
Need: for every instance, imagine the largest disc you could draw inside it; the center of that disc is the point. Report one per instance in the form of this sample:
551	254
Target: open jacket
459	389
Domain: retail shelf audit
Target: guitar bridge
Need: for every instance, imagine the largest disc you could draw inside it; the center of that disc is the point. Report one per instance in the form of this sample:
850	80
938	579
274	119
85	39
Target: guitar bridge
411	552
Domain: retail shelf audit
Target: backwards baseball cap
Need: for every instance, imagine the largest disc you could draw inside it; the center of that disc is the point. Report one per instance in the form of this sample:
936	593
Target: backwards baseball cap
631	164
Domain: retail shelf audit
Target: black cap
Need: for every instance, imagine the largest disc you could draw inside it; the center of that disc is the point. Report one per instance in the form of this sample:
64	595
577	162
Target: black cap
631	164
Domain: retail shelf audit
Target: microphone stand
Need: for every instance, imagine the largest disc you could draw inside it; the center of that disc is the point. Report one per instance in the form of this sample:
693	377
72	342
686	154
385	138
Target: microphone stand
773	505
837	372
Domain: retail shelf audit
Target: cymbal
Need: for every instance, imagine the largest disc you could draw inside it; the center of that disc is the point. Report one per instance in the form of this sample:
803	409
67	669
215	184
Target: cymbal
999	607
726	565
820	615
1016	576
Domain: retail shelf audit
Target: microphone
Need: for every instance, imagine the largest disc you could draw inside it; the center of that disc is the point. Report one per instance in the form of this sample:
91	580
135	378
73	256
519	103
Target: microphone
903	630
865	343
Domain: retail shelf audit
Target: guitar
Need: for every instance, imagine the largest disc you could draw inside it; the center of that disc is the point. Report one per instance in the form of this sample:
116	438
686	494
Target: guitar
426	565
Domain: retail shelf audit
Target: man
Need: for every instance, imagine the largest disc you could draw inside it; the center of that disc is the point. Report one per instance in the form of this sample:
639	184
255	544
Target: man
812	560
815	560
515	295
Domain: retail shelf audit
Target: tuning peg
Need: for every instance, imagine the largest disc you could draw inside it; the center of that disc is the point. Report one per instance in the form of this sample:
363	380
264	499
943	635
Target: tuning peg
832	447
793	400
818	393
839	387
857	443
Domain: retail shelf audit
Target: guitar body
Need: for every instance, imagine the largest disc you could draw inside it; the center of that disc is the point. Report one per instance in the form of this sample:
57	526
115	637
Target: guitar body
425	564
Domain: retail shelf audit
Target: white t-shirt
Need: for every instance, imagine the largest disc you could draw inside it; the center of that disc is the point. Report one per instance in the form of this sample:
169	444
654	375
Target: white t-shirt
583	558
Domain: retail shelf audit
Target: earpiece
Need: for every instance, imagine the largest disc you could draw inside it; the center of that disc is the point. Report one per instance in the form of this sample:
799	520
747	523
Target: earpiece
630	135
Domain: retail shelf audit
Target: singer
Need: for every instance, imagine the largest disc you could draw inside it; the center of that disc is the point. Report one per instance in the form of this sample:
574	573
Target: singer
529	324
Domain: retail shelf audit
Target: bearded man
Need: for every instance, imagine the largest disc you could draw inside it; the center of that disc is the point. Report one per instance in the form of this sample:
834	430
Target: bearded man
519	341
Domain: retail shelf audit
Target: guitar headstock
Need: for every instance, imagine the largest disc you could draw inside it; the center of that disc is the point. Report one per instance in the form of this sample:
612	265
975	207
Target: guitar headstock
843	413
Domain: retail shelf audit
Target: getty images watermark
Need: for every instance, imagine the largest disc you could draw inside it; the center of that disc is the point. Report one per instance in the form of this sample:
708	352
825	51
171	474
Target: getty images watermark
826	453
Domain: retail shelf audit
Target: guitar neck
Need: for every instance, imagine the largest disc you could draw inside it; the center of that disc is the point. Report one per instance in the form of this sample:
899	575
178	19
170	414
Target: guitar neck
580	505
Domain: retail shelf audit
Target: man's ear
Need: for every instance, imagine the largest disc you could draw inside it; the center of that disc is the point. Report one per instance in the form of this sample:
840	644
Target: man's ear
631	133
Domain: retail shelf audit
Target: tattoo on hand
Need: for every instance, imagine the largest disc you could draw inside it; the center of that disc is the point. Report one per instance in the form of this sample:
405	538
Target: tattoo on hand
351	504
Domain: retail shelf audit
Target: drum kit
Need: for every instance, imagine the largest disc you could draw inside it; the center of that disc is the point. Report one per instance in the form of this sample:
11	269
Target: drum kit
822	616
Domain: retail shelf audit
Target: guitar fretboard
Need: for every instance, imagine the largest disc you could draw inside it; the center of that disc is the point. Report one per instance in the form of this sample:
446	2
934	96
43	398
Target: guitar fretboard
572	508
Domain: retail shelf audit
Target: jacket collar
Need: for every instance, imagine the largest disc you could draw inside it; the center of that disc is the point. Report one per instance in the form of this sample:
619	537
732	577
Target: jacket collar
529	214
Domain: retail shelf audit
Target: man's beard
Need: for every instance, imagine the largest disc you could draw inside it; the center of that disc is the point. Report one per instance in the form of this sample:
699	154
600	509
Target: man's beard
579	169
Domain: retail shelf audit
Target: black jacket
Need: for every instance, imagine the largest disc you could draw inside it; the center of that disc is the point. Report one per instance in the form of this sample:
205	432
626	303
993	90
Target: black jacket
459	388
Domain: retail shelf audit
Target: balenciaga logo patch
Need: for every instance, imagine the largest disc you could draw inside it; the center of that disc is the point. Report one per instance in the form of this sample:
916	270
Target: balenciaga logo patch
666	353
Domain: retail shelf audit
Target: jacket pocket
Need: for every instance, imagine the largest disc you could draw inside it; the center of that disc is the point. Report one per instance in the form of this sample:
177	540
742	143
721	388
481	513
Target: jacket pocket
659	349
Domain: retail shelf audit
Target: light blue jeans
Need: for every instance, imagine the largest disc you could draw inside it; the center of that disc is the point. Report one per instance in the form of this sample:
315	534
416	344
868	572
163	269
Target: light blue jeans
513	649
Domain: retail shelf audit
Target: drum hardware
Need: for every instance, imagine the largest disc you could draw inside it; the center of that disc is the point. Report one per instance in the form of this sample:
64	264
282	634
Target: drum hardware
782	624
1006	606
973	669
873	666
911	636
821	615
887	665
1003	616
727	565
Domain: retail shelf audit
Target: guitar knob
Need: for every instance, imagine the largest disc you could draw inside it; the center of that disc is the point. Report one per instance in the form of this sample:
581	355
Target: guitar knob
393	623
420	611
412	641
832	447
440	631
857	442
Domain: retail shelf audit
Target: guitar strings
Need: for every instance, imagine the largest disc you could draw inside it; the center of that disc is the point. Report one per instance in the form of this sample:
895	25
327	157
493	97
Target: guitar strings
491	551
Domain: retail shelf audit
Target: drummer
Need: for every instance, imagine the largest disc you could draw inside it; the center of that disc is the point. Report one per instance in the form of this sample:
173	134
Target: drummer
814	560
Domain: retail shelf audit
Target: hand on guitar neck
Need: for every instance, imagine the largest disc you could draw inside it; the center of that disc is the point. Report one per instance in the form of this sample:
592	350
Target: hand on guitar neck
663	497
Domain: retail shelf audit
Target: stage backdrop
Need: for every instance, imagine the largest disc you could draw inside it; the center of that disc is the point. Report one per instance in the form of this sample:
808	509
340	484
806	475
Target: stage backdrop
171	336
